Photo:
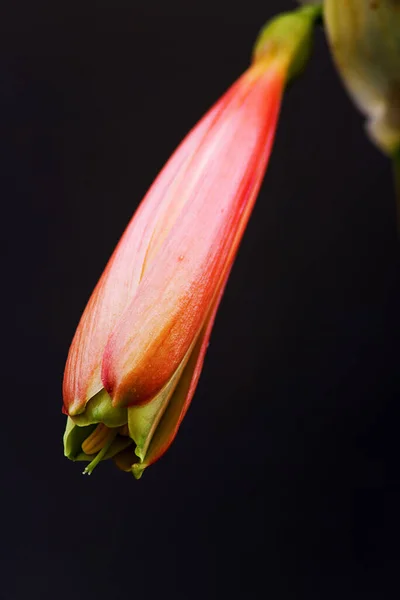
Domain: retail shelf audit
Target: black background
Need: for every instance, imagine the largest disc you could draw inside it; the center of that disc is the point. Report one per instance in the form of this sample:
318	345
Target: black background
284	479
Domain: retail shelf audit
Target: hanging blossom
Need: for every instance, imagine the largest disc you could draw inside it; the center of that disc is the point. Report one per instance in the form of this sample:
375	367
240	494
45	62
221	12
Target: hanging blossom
364	37
139	348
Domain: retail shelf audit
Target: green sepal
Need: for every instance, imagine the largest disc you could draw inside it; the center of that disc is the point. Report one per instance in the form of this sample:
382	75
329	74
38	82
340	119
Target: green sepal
143	420
74	437
99	409
138	470
175	410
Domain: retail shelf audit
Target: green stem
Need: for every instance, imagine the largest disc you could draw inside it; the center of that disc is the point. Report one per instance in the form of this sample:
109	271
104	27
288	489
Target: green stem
100	455
288	37
396	174
315	8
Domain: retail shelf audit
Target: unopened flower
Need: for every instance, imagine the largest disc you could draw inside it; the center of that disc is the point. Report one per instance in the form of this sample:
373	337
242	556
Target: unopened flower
137	354
365	40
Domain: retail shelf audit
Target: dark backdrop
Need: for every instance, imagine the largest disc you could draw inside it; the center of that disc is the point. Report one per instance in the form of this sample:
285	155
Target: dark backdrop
284	479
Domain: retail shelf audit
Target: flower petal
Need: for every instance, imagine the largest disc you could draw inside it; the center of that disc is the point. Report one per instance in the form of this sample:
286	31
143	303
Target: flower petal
219	188
121	277
181	398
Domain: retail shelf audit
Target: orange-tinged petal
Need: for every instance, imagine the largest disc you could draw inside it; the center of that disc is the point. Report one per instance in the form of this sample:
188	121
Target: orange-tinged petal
161	426
120	279
180	401
216	191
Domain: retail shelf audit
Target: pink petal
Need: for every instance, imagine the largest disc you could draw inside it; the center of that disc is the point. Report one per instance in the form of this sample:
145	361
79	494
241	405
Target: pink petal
120	279
215	193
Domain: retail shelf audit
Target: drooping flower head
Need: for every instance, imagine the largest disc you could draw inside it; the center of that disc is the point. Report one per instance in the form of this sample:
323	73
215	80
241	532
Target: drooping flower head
365	41
137	354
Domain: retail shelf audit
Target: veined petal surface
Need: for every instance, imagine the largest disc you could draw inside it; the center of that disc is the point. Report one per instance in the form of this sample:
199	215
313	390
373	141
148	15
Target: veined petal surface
120	279
215	188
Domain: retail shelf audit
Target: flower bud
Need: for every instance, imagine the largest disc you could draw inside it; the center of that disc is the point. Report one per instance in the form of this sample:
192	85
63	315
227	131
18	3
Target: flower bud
364	36
138	351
